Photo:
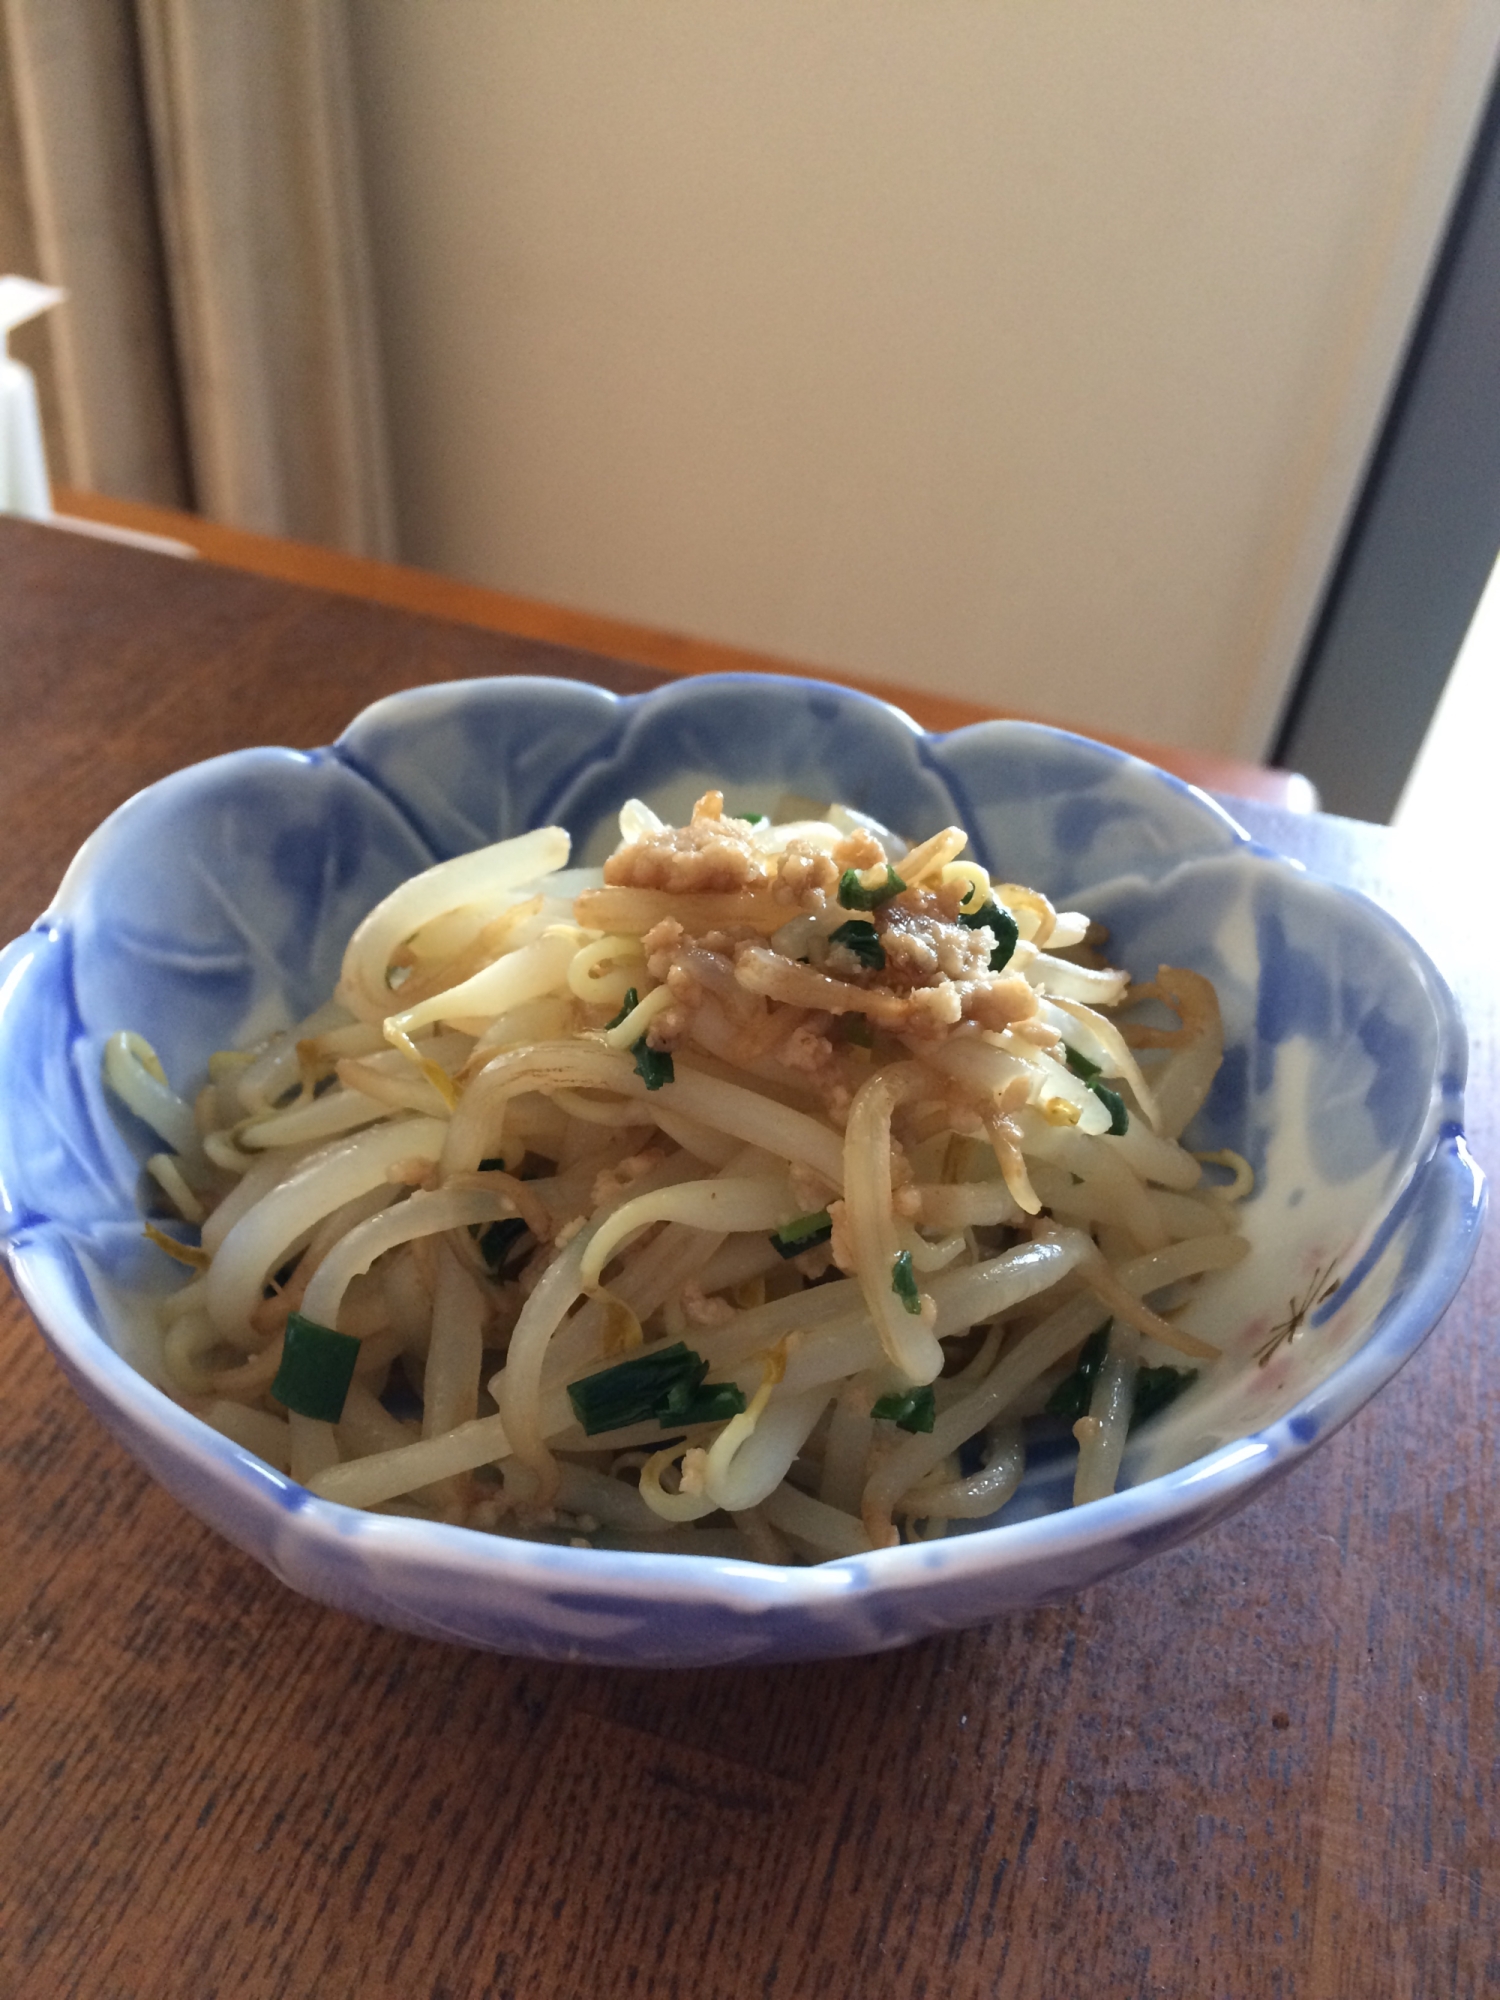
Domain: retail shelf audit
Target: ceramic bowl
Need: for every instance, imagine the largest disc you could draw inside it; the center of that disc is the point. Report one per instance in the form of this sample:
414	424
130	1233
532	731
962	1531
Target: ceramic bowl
215	906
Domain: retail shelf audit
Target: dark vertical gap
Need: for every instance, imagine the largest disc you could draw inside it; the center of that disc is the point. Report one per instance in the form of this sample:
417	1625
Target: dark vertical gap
1423	534
157	277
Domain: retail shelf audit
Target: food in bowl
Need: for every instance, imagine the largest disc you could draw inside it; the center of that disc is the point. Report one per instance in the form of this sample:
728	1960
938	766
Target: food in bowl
754	1196
214	907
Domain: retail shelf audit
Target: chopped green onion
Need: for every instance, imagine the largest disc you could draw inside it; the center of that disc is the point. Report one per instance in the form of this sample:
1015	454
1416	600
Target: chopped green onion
632	1391
664	1385
1114	1104
904	1282
494	1165
496	1240
652	1066
1156	1387
862	939
804	1233
707	1403
855	896
1090	1073
752	819
317	1366
1070	1399
1001	924
857	1031
908	1409
1080	1065
631	1001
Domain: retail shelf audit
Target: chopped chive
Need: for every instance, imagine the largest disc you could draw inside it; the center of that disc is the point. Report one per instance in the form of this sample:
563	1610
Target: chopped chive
317	1366
1114	1104
857	1031
861	938
855	896
1090	1073
496	1240
752	819
1070	1399
652	1066
804	1233
704	1403
631	1002
632	1391
908	1409
1001	925
1156	1387
1080	1065
904	1282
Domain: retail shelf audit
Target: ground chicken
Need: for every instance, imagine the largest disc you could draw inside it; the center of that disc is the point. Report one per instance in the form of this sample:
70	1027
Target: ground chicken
668	1027
659	943
700	1309
813	1264
837	1100
806	1048
860	850
711	855
923	939
613	1181
806	873
841	1243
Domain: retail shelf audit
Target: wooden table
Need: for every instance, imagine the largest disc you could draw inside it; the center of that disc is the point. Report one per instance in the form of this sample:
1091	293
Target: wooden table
1264	1764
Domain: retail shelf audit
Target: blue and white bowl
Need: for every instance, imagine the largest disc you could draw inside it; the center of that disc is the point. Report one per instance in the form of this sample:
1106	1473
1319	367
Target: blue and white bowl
215	906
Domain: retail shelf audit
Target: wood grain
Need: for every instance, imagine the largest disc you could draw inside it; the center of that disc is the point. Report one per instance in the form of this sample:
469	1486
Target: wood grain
1262	1765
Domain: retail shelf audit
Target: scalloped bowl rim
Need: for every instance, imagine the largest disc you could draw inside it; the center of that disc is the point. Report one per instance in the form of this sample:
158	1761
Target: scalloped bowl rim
1188	1498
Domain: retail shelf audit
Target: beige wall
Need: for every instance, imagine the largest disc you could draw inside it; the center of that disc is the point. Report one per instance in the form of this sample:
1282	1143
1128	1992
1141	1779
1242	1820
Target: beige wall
1025	349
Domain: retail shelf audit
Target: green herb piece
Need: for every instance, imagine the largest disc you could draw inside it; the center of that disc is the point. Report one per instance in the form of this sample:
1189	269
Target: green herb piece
1070	1399
1114	1104
857	1032
855	896
1090	1073
317	1366
908	1409
1155	1388
631	1002
708	1403
1003	927
1081	1067
496	1240
494	1165
652	1066
861	938
904	1282
805	1232
632	1391
752	819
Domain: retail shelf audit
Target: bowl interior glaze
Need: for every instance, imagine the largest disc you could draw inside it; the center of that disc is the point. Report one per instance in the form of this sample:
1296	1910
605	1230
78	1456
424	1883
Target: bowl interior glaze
216	905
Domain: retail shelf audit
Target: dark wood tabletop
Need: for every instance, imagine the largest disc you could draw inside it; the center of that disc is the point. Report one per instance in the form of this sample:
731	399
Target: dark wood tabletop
1265	1764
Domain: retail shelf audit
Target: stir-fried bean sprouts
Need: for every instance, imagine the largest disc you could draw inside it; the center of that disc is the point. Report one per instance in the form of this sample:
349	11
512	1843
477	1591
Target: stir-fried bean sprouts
771	1195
